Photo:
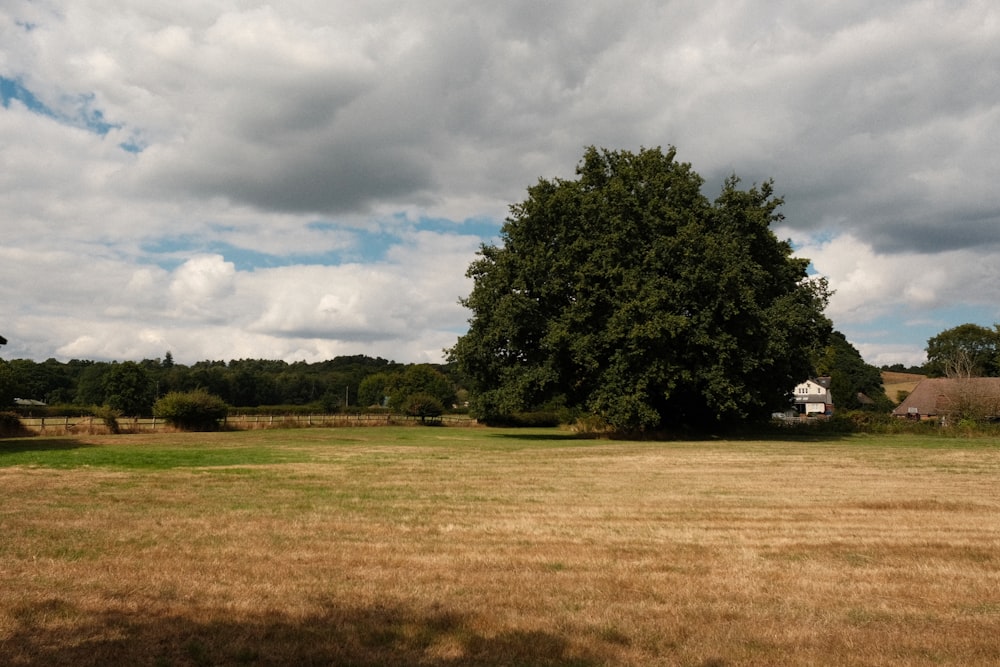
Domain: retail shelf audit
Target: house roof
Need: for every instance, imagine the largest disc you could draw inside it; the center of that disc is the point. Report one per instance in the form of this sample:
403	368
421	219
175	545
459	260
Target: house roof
934	396
816	396
28	402
822	381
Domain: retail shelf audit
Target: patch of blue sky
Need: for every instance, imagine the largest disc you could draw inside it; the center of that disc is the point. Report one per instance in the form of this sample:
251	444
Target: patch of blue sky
364	246
484	228
170	252
85	116
12	89
132	146
246	259
899	328
983	315
372	245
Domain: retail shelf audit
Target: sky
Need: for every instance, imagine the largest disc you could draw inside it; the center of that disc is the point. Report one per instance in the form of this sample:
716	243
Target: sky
228	179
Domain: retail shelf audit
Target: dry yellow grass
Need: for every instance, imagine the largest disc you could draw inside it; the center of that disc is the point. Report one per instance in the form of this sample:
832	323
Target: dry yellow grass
898	385
452	547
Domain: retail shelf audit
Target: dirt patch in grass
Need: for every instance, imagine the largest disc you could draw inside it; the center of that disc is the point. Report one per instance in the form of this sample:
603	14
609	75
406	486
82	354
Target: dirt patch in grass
404	547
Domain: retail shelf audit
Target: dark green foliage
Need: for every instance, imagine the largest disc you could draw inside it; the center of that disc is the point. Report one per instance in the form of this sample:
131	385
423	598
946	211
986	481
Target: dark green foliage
8	385
628	294
851	376
533	419
324	385
374	390
900	368
46	381
968	350
90	384
128	389
422	405
421	379
396	388
196	410
10	425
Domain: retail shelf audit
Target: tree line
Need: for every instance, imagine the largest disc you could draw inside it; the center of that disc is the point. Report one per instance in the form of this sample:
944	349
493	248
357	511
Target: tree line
132	387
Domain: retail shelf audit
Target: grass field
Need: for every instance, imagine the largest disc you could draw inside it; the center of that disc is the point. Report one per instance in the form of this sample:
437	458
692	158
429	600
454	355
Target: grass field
448	546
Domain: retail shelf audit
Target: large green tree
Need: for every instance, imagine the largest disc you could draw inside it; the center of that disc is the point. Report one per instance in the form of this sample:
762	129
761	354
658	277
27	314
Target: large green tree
968	350
627	293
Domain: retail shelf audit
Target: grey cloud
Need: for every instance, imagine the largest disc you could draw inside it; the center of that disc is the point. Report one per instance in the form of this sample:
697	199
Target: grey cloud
876	121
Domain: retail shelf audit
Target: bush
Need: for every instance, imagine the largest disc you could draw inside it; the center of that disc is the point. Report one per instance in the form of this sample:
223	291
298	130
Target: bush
195	410
11	426
422	405
109	416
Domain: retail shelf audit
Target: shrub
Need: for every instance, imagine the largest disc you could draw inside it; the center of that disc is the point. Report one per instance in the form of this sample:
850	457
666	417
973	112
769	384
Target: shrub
195	410
11	426
588	424
422	405
109	416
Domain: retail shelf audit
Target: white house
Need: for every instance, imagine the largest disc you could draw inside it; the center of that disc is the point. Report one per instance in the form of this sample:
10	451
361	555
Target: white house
813	397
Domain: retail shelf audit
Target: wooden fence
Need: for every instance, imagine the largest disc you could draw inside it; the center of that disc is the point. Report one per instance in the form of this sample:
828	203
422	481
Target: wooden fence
96	425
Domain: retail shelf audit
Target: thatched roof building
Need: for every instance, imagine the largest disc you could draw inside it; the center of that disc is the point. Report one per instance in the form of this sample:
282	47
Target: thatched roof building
938	397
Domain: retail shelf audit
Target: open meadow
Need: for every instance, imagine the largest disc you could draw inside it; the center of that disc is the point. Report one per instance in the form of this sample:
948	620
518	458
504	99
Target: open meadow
454	546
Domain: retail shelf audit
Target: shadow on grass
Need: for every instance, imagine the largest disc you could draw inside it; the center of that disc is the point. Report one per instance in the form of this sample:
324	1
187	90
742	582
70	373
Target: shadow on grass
790	434
55	633
513	434
36	444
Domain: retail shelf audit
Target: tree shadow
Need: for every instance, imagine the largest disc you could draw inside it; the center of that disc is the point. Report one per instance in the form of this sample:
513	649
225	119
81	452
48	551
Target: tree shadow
790	434
39	444
555	435
55	633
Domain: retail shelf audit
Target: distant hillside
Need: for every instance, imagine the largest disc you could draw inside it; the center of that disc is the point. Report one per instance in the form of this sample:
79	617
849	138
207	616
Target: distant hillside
894	383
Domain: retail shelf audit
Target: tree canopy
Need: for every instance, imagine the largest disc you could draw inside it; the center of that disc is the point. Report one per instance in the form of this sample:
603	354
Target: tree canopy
394	389
968	350
628	294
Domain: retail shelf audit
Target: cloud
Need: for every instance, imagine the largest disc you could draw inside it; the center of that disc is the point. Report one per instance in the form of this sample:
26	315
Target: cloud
405	307
890	305
265	173
200	285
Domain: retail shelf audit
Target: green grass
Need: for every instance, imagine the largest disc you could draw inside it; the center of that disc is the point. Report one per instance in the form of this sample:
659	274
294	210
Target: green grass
66	454
264	447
